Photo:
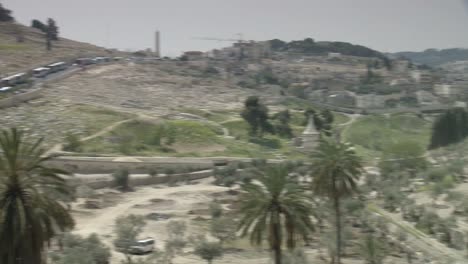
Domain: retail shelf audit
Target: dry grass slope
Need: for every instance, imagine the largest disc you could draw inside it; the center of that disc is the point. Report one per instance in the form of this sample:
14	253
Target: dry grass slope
17	57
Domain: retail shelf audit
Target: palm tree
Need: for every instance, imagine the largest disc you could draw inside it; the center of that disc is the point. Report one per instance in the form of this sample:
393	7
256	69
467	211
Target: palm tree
29	216
335	171
372	250
275	203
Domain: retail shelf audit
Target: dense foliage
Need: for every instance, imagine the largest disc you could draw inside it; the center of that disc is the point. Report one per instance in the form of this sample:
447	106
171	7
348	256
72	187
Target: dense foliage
451	127
276	207
79	250
281	124
52	29
127	228
208	250
336	169
309	46
256	115
30	213
39	25
5	14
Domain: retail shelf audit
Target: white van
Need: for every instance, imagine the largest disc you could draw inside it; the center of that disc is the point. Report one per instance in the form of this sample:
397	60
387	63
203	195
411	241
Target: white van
142	246
41	72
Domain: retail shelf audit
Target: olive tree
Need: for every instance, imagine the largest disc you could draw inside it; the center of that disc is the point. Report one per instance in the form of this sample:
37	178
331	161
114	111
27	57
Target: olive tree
126	229
208	250
79	250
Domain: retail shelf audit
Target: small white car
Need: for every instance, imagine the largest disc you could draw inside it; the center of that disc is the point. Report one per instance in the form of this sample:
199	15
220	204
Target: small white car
142	246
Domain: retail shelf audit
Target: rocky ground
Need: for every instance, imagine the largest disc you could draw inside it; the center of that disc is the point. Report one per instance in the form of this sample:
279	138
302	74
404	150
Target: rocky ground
184	202
146	89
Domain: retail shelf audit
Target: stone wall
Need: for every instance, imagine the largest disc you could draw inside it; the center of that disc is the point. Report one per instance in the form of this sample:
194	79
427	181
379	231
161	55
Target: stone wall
88	166
150	180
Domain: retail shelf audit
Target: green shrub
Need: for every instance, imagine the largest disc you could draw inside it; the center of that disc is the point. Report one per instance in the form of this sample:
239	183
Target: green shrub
72	143
437	174
454	196
225	176
169	171
259	162
216	210
448	182
79	250
122	179
152	172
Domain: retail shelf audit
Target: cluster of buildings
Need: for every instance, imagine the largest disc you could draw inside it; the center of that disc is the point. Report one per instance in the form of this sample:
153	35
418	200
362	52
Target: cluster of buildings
240	50
405	86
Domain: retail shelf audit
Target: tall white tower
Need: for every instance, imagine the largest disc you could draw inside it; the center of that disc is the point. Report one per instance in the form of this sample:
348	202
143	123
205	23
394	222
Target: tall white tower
157	48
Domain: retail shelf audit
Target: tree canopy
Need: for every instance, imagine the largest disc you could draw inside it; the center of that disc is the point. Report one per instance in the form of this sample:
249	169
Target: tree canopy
256	115
451	127
29	215
39	25
310	46
79	250
5	14
52	29
275	207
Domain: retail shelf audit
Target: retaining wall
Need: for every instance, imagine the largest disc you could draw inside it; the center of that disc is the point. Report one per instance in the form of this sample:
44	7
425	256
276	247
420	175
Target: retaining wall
88	166
150	180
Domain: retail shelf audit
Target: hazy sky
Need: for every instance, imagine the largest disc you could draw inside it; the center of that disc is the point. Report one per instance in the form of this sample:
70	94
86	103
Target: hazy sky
385	25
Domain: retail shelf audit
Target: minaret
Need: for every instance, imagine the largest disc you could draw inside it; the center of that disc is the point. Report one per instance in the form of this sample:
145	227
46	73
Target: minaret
157	48
310	136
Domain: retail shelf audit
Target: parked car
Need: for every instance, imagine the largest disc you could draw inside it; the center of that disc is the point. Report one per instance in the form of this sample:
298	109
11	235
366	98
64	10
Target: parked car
142	246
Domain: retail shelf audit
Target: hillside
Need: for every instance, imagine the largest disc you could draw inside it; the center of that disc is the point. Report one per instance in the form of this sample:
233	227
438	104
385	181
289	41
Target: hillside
434	57
309	46
16	57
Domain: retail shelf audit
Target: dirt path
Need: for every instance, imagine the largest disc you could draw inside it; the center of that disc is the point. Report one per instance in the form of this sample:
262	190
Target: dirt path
58	147
106	129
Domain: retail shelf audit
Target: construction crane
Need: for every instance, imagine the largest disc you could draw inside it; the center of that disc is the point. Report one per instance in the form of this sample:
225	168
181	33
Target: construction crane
238	40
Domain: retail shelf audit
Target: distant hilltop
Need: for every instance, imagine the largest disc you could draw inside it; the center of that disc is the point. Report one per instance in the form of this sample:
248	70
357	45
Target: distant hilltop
312	47
433	57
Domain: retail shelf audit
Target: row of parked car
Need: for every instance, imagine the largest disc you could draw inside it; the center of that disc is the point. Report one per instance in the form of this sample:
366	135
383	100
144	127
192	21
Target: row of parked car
8	83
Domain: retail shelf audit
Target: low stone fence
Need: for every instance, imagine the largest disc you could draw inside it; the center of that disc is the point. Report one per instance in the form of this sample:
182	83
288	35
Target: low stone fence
17	99
139	165
106	182
101	165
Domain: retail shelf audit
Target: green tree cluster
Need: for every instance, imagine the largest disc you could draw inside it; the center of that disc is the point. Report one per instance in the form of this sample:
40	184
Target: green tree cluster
323	120
207	250
256	115
122	179
278	205
310	46
72	143
281	125
450	128
35	23
5	14
29	215
126	229
50	29
336	169
79	250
